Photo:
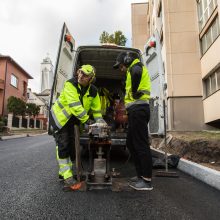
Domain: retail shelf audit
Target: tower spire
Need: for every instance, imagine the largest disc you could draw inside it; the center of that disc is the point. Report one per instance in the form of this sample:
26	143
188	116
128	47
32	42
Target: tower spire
46	73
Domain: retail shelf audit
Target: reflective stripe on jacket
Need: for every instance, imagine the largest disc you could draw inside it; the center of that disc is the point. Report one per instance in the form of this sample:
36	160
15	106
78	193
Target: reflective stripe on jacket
144	87
72	101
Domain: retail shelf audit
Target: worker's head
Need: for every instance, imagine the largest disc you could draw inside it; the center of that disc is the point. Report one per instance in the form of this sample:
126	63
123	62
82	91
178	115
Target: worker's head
123	61
86	75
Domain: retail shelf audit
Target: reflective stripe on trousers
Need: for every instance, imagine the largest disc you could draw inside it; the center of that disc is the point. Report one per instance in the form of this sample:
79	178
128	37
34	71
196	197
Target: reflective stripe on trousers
65	166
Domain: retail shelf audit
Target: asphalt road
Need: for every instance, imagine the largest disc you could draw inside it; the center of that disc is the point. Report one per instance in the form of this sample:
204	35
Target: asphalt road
29	189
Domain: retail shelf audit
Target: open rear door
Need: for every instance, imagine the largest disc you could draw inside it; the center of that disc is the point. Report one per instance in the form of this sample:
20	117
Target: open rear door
64	65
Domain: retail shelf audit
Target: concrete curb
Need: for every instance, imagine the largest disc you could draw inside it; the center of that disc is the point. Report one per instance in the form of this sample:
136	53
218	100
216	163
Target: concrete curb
204	174
13	136
20	136
33	135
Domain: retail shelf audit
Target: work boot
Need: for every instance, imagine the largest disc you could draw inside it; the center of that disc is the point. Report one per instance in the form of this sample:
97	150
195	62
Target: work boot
71	184
134	179
61	178
141	185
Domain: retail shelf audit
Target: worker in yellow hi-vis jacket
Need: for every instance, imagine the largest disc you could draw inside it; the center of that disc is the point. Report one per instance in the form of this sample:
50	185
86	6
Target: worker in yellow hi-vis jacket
78	97
137	96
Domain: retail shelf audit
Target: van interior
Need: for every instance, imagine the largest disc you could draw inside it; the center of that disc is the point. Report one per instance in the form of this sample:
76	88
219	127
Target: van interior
109	81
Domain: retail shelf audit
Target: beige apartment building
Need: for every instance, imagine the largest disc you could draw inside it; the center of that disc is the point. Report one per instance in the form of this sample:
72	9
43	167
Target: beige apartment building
189	38
140	29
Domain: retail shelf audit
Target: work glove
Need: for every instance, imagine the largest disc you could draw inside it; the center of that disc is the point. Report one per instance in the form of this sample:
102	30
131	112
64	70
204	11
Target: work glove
87	123
101	121
137	95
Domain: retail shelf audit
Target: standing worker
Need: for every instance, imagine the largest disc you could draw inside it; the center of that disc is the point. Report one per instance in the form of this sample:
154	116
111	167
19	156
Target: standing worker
77	98
137	88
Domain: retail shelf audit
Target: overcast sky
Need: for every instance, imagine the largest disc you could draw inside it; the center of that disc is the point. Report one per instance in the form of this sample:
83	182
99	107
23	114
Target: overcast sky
29	29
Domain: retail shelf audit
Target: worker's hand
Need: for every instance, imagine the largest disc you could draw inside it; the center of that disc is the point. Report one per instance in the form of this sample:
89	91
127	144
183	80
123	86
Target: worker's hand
101	121
90	121
87	123
137	95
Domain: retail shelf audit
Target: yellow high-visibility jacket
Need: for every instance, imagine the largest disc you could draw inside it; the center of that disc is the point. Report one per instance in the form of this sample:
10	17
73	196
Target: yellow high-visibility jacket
77	101
144	87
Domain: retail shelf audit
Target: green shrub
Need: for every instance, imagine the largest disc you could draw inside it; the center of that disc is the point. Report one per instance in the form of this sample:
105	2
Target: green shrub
2	124
16	106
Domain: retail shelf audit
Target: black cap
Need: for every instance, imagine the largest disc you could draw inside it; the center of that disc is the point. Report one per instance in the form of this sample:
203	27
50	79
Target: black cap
119	60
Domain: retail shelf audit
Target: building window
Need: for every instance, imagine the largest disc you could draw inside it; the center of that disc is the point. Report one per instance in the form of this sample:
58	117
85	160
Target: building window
14	81
161	37
159	15
24	88
212	83
210	36
218	78
207	87
205	9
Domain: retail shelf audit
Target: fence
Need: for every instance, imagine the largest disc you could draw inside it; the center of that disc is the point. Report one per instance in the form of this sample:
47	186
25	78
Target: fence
24	122
38	123
31	125
15	122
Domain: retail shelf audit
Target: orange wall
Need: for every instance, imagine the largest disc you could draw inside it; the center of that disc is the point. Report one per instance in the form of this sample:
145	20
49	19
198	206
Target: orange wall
2	77
11	90
2	69
1	101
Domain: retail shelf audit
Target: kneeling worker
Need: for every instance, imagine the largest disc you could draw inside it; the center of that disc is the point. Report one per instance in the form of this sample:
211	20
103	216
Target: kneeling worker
77	98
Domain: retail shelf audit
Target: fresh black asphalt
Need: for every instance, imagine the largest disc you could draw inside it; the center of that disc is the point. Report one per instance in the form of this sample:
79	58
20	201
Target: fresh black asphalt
29	189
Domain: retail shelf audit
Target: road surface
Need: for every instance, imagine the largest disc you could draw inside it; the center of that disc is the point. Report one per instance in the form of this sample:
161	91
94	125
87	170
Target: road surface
29	189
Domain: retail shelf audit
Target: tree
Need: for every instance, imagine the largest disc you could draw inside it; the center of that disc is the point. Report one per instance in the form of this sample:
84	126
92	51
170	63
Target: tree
120	39
111	39
36	110
104	37
32	109
16	106
117	38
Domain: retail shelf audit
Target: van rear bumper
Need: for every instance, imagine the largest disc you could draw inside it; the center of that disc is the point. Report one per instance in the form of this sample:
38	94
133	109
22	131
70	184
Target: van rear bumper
114	141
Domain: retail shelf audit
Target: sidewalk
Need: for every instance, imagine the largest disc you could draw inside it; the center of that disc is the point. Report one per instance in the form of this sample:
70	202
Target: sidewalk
22	133
202	173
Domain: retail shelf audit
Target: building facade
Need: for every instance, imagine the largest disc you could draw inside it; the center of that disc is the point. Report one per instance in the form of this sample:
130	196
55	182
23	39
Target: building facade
140	28
41	100
209	31
188	35
13	82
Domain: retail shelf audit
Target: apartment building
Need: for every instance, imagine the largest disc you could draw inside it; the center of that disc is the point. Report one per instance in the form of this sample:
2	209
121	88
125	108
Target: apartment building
13	82
188	35
209	31
140	29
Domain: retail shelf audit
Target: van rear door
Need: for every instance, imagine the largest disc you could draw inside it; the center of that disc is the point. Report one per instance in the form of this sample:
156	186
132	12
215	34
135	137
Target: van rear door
64	65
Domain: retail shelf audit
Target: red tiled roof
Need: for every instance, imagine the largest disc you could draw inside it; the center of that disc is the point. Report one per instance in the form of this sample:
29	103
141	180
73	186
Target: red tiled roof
13	61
